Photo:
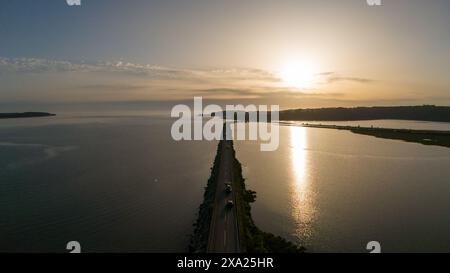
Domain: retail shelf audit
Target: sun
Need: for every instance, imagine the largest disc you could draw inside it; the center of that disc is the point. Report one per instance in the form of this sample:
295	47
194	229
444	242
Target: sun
299	74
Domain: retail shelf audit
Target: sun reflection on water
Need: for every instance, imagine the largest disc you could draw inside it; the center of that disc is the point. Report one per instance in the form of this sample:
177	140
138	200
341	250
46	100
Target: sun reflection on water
302	196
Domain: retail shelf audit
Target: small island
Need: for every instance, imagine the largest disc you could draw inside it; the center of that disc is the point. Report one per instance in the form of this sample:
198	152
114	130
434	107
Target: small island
25	115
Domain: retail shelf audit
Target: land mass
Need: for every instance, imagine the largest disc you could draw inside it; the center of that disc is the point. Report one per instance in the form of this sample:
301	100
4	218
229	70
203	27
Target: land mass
421	113
426	137
25	115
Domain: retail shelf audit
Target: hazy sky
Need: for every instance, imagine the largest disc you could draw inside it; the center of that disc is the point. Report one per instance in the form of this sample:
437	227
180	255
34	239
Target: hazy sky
141	50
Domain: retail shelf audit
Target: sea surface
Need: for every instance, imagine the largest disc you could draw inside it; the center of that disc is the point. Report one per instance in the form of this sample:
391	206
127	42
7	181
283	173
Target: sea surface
335	191
114	184
119	183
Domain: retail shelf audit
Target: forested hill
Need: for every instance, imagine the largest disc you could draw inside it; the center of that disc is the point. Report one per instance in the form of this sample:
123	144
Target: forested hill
423	113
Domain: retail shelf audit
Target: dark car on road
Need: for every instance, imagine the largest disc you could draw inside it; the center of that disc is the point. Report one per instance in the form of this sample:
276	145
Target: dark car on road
228	188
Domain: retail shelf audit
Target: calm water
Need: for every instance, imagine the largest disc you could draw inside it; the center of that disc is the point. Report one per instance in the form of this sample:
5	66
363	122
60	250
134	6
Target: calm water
121	184
334	191
113	184
396	124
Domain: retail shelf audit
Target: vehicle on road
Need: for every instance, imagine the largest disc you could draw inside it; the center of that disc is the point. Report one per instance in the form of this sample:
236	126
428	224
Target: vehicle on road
228	188
230	203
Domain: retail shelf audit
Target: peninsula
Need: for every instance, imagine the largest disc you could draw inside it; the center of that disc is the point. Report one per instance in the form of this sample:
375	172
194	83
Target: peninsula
25	115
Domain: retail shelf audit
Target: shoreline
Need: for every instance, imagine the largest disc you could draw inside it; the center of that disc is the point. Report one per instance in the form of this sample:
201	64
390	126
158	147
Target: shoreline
25	115
425	137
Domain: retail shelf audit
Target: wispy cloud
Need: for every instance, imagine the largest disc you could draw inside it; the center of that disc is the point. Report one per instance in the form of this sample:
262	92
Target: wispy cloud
35	65
333	77
120	80
111	87
267	92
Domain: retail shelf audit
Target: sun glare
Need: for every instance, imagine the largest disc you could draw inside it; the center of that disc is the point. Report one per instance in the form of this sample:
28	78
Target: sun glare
298	74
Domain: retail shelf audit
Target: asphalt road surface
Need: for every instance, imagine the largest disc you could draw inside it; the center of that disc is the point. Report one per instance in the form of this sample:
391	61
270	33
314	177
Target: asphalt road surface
223	234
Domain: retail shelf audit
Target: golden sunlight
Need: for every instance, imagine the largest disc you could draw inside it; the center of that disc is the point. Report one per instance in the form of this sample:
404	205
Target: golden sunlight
299	74
303	210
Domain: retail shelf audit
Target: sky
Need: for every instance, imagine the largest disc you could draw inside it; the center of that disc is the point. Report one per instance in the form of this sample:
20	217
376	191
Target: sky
319	53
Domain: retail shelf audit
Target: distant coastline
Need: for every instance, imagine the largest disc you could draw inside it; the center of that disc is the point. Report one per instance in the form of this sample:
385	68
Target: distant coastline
425	137
419	113
25	115
428	113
